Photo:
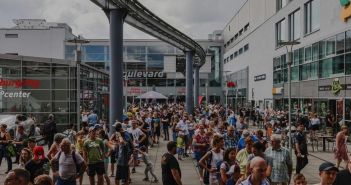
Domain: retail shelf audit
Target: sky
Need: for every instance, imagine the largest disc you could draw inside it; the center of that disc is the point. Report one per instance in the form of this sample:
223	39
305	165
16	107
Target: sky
196	18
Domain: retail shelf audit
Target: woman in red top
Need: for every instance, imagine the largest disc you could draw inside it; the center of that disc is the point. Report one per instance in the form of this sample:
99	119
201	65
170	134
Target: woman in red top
200	143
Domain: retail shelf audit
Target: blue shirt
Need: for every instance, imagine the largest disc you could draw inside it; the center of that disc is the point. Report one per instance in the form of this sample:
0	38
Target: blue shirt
93	119
231	142
242	144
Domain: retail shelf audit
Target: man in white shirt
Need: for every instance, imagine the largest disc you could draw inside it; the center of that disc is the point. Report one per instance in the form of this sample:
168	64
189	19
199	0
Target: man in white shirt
138	137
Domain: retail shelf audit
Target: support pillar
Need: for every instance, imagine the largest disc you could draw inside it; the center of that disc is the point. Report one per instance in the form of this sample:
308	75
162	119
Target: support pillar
117	17
189	82
196	85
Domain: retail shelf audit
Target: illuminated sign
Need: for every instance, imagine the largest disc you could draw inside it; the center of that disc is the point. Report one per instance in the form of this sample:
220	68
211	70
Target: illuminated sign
34	84
143	74
346	10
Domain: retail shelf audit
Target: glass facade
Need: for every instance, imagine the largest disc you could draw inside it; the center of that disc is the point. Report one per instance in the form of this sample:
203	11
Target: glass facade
47	86
312	16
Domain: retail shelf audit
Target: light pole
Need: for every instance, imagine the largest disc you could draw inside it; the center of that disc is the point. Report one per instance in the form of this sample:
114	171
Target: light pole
226	93
290	44
78	41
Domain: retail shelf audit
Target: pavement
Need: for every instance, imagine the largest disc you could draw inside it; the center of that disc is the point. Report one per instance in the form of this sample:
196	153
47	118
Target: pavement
190	174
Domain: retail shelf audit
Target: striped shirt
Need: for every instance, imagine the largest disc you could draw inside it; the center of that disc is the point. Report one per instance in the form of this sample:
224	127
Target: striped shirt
280	161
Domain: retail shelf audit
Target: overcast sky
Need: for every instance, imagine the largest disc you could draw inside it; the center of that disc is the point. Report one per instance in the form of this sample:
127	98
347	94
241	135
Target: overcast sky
196	18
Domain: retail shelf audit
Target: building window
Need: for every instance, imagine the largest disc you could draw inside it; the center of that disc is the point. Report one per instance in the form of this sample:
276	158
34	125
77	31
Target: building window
225	45
232	39
231	57
294	25
312	16
331	67
235	54
246	27
225	60
280	32
348	41
236	36
340	43
241	32
280	4
308	54
11	35
240	51
246	47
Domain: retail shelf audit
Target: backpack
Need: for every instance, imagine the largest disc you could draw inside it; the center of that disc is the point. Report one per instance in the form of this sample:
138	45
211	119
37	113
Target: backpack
79	169
218	167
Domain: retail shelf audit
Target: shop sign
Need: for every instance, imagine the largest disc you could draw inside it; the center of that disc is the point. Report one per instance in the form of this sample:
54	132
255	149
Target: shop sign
260	77
325	88
34	84
136	90
336	86
347	86
17	94
346	10
143	74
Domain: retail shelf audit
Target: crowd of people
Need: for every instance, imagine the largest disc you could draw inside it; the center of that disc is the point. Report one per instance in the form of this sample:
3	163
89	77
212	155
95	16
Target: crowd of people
227	148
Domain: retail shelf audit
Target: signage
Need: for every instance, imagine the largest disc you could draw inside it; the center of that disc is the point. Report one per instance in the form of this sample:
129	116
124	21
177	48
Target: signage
346	10
347	86
143	74
34	84
19	94
325	88
336	86
260	77
136	90
277	90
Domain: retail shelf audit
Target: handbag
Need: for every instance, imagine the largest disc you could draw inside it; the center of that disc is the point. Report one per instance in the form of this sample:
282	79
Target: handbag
11	150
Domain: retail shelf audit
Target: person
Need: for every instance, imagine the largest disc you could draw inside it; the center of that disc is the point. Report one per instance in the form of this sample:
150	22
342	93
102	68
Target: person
228	161
171	174
233	175
31	144
19	139
200	145
156	127
340	153
231	138
43	180
148	165
241	142
314	125
5	139
25	156
327	173
299	179
212	158
257	150
70	164
183	127
124	151
301	151
92	118
108	147
344	176
180	145
279	162
39	164
93	148
166	119
138	137
70	133
49	130
55	147
258	167
243	155
17	176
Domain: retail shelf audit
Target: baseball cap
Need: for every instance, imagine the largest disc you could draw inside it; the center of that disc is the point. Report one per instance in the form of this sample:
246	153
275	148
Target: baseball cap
327	166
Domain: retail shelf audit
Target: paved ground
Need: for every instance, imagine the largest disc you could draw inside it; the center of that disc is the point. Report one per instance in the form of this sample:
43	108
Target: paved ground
190	175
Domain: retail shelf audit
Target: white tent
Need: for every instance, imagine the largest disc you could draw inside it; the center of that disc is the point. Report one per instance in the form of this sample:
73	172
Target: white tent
152	95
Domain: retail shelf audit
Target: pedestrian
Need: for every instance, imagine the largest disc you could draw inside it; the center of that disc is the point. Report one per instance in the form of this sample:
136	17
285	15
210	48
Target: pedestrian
92	118
70	164
233	175
25	156
39	164
108	148
148	165
180	145
70	133
301	151
258	167
340	152
156	127
257	150
299	179
201	144
243	155
55	147
19	139
5	140
93	154
327	173
138	137
17	176
31	143
229	160
49	130
171	173
231	138
166	119
344	176
43	180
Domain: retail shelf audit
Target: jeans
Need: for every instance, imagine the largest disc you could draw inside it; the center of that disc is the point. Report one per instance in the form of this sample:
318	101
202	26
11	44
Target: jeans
166	132
150	169
174	135
3	154
65	182
301	162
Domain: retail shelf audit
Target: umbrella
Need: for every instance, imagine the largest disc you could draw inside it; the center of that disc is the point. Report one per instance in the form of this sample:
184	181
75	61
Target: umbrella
152	95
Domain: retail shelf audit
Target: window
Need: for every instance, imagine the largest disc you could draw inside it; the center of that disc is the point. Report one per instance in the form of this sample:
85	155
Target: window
294	25
280	4
312	16
246	26
340	43
236	36
235	54
296	57
11	35
280	32
295	73
315	51
330	47
231	57
246	47
240	32
348	64
225	45
231	40
240	51
331	67
348	41
225	60
308	54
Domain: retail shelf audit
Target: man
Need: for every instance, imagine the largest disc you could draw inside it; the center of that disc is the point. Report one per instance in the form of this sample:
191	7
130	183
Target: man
92	118
258	167
280	162
17	177
182	127
49	130
230	138
327	173
166	119
19	139
138	137
31	143
171	174
125	149
344	176
93	149
241	142
71	133
69	167
301	148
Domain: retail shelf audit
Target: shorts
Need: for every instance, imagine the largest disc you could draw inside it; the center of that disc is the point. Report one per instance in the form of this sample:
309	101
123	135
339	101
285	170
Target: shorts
198	155
122	172
97	168
191	134
157	131
315	127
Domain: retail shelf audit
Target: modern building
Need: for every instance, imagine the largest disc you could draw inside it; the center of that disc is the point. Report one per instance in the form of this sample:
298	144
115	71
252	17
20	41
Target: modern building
43	86
321	63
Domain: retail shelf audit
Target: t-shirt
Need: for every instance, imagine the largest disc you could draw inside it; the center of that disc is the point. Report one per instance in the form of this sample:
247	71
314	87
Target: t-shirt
67	167
93	119
37	168
169	162
155	122
201	139
124	152
136	133
242	158
183	127
94	149
300	138
343	177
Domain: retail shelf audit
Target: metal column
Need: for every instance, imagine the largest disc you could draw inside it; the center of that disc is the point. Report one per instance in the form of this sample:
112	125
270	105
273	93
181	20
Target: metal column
116	68
189	82
196	85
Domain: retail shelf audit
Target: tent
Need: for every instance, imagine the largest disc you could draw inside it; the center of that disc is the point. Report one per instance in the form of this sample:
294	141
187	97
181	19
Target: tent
152	95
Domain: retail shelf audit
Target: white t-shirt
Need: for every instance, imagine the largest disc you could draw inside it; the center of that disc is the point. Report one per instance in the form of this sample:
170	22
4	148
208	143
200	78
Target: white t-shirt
182	126
84	118
67	167
136	133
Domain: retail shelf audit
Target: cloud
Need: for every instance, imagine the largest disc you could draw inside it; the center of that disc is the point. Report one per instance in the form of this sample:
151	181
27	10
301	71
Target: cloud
196	18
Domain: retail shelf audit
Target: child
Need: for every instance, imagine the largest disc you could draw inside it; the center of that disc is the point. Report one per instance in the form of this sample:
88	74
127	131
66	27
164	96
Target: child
148	167
180	145
299	179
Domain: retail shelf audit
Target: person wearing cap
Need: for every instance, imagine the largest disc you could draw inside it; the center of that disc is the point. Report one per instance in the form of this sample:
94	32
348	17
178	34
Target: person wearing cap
344	176
327	173
39	164
93	148
241	142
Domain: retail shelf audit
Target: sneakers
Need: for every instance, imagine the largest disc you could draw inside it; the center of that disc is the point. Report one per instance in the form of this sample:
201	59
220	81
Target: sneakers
146	179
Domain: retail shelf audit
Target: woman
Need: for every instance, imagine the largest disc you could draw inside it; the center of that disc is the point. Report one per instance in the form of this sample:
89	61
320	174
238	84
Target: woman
200	145
107	148
314	125
55	147
175	121
341	146
228	161
4	141
39	164
191	129
212	158
25	156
